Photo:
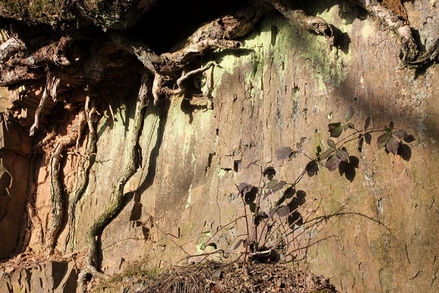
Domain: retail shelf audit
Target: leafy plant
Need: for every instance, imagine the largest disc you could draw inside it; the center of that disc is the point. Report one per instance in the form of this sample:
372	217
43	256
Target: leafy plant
285	212
274	226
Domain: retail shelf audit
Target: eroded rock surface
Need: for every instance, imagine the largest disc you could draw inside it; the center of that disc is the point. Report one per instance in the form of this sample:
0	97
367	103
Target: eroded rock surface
225	102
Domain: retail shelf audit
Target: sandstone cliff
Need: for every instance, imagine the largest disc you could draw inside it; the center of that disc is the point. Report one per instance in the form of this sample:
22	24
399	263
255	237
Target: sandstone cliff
266	82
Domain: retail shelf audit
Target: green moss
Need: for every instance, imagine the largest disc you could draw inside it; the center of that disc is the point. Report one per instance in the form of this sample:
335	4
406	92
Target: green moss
279	46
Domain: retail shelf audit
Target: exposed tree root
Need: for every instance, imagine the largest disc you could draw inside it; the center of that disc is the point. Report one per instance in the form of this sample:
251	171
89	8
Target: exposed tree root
50	90
311	23
129	170
163	76
427	57
395	20
56	187
162	89
82	176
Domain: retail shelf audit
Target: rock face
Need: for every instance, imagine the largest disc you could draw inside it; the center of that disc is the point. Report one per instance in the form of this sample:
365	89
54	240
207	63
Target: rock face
369	226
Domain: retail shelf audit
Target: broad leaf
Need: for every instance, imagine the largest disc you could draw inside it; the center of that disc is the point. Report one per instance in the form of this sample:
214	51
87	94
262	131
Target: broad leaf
392	145
401	134
278	186
349	114
382	140
248	192
332	163
250	196
272	183
283	153
331	144
335	129
301	194
275	185
342	154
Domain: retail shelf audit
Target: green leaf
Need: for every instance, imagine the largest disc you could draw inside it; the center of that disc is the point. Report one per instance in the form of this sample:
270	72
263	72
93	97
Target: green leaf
382	140
272	183
326	154
335	129
331	144
331	126
283	153
342	154
349	114
332	163
392	145
278	186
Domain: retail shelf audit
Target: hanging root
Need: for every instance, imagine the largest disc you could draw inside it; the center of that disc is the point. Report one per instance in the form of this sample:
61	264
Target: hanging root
159	88
217	34
82	176
50	90
129	170
311	23
56	186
